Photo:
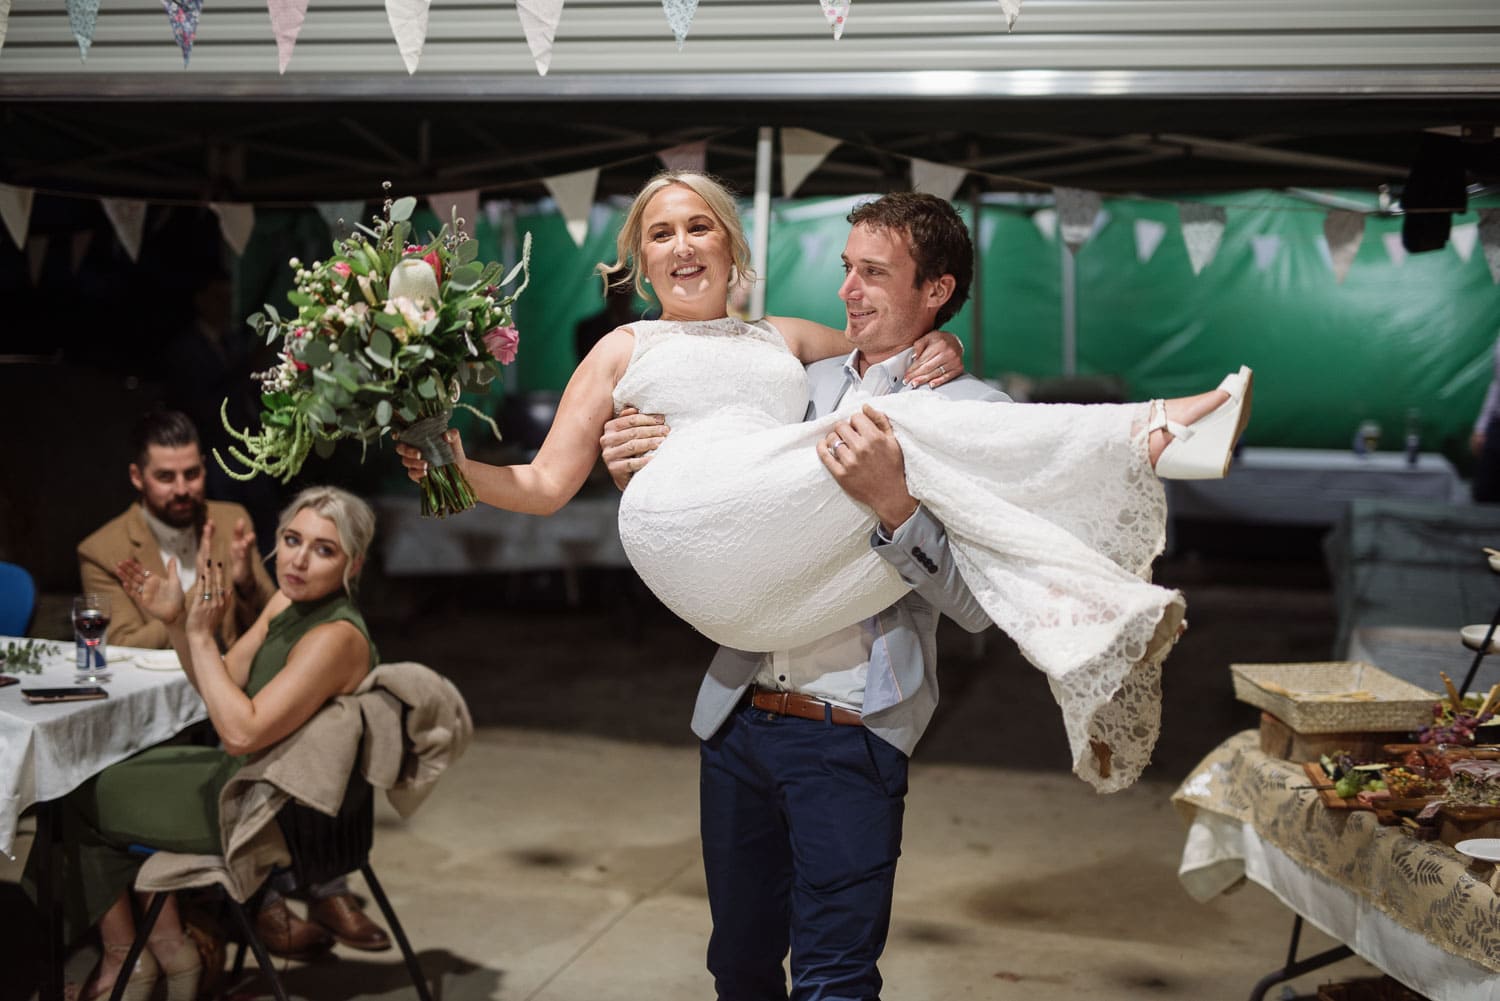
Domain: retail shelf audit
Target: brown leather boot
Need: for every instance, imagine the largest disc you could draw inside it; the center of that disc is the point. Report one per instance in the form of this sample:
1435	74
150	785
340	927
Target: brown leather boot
342	915
288	936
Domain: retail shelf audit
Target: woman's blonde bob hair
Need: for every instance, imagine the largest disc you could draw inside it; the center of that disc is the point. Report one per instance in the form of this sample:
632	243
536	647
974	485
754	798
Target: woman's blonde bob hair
628	243
352	518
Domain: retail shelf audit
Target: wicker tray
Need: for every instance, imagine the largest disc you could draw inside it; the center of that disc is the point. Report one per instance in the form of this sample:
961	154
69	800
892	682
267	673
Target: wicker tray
1334	696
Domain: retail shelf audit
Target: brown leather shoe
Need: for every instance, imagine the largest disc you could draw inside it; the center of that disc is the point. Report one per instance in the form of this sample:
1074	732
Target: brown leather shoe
288	936
342	915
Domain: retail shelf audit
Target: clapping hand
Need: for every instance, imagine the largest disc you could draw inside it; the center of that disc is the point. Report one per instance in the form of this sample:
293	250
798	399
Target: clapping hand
156	595
241	552
209	598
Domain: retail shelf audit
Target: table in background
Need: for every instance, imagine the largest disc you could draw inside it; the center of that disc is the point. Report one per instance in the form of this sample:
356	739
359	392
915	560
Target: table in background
48	750
487	540
1308	486
1413	908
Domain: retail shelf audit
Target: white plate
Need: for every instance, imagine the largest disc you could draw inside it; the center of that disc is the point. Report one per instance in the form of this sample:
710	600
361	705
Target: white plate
158	660
1485	849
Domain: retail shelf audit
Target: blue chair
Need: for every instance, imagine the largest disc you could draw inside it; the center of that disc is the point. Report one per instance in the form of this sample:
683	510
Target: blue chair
17	600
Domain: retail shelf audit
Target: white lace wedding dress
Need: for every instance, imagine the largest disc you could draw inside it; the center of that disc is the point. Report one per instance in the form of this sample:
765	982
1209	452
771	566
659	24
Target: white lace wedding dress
1053	514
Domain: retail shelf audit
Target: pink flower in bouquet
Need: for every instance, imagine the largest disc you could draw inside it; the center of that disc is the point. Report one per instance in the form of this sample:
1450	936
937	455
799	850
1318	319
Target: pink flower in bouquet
341	269
503	342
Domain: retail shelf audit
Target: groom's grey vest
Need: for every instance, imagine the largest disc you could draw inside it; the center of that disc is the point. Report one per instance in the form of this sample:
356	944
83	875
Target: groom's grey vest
901	688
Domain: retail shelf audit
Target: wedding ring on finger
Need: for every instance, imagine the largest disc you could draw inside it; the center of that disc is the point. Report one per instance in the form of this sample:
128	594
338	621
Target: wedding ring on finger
835	446
942	370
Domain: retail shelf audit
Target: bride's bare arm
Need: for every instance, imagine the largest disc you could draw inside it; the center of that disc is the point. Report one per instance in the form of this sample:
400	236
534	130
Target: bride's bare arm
572	446
939	357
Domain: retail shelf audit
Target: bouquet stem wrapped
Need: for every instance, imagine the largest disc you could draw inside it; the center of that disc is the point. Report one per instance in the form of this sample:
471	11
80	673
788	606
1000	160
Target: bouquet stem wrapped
385	337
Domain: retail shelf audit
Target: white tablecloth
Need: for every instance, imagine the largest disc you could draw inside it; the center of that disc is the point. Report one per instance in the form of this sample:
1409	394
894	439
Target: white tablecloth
1309	486
48	750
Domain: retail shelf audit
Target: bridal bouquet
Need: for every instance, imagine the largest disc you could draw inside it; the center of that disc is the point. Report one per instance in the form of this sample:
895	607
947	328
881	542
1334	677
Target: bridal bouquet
385	336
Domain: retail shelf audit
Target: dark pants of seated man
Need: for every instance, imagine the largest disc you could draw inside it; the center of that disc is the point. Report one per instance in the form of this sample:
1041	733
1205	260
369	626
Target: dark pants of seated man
801	824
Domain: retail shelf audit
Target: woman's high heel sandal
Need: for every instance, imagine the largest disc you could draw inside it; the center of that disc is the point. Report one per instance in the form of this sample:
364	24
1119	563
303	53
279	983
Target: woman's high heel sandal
182	968
1202	450
138	985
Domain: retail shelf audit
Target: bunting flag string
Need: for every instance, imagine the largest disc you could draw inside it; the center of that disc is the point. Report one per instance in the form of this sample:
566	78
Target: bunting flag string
1265	247
409	24
836	12
182	15
4	20
1148	236
1463	236
1489	238
1344	230
236	222
539	20
936	178
574	194
689	156
1012	10
15	212
128	217
286	24
680	15
463	204
802	150
1045	221
83	18
1202	231
1077	210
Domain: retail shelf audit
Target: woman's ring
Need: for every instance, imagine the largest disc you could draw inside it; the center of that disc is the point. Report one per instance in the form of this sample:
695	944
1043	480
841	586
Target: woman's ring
206	596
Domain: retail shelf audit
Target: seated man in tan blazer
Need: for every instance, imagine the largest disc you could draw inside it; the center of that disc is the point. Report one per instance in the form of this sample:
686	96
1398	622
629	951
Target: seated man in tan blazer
171	519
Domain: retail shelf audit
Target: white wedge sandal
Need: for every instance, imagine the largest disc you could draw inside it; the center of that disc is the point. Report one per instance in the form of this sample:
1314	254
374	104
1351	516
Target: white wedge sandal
1202	450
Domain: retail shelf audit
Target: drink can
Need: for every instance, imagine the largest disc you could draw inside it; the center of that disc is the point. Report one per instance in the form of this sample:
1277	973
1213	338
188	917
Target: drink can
90	658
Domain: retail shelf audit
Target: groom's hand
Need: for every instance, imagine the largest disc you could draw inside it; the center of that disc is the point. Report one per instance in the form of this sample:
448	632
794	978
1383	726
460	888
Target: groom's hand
628	441
865	458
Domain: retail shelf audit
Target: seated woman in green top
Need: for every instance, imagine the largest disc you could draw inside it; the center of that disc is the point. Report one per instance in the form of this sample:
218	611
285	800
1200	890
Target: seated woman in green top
309	645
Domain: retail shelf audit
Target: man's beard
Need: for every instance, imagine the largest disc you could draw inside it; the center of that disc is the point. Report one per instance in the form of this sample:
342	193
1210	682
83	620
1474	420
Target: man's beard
184	516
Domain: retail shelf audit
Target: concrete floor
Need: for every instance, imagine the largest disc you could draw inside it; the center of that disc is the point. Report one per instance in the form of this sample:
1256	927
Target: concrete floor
559	860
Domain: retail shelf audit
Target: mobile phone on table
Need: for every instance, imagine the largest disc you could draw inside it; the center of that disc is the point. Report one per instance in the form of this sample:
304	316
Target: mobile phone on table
75	693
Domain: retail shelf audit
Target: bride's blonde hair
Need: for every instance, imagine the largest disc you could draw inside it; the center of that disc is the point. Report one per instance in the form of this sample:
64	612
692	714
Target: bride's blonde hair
628	243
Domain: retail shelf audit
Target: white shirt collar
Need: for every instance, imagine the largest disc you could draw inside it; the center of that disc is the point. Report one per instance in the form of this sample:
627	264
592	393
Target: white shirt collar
881	377
181	543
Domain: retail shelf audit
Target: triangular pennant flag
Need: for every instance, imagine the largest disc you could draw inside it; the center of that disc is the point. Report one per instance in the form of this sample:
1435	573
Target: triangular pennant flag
340	216
680	17
80	248
1265	247
236	220
1148	234
1463	237
1012	10
129	220
1045	221
409	24
83	17
1076	209
4	20
539	20
182	15
936	178
15	212
286	24
36	257
802	150
1489	239
574	194
836	12
464	204
1394	248
1202	231
1344	230
688	156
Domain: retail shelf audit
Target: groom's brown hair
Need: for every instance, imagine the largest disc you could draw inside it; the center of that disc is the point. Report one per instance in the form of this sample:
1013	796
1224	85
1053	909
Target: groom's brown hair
935	235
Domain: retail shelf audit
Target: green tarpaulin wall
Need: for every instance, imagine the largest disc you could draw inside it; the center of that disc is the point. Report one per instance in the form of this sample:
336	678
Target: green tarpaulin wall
1389	339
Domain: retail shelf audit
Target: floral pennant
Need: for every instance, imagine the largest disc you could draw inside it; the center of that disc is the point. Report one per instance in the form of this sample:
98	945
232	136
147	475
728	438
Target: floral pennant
802	150
129	220
1464	236
1012	10
1394	248
1344	230
286	25
1202	231
574	194
1045	221
1148	236
36	258
340	216
83	18
409	24
182	15
464	204
1265	248
1077	210
539	20
680	15
1489	239
15	212
836	12
236	220
4	20
936	178
688	156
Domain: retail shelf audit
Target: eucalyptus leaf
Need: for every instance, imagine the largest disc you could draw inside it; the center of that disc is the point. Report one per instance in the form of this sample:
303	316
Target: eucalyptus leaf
466	252
300	299
383	413
382	360
380	342
324	447
358	263
388	321
316	352
402	208
319	410
408	412
466	277
428	388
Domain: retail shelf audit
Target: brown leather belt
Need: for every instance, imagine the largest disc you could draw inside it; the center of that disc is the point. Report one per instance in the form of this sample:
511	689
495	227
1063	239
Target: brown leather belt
802	706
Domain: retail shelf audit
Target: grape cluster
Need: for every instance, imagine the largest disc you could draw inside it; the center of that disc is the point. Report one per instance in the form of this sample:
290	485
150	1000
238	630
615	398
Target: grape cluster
1451	727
